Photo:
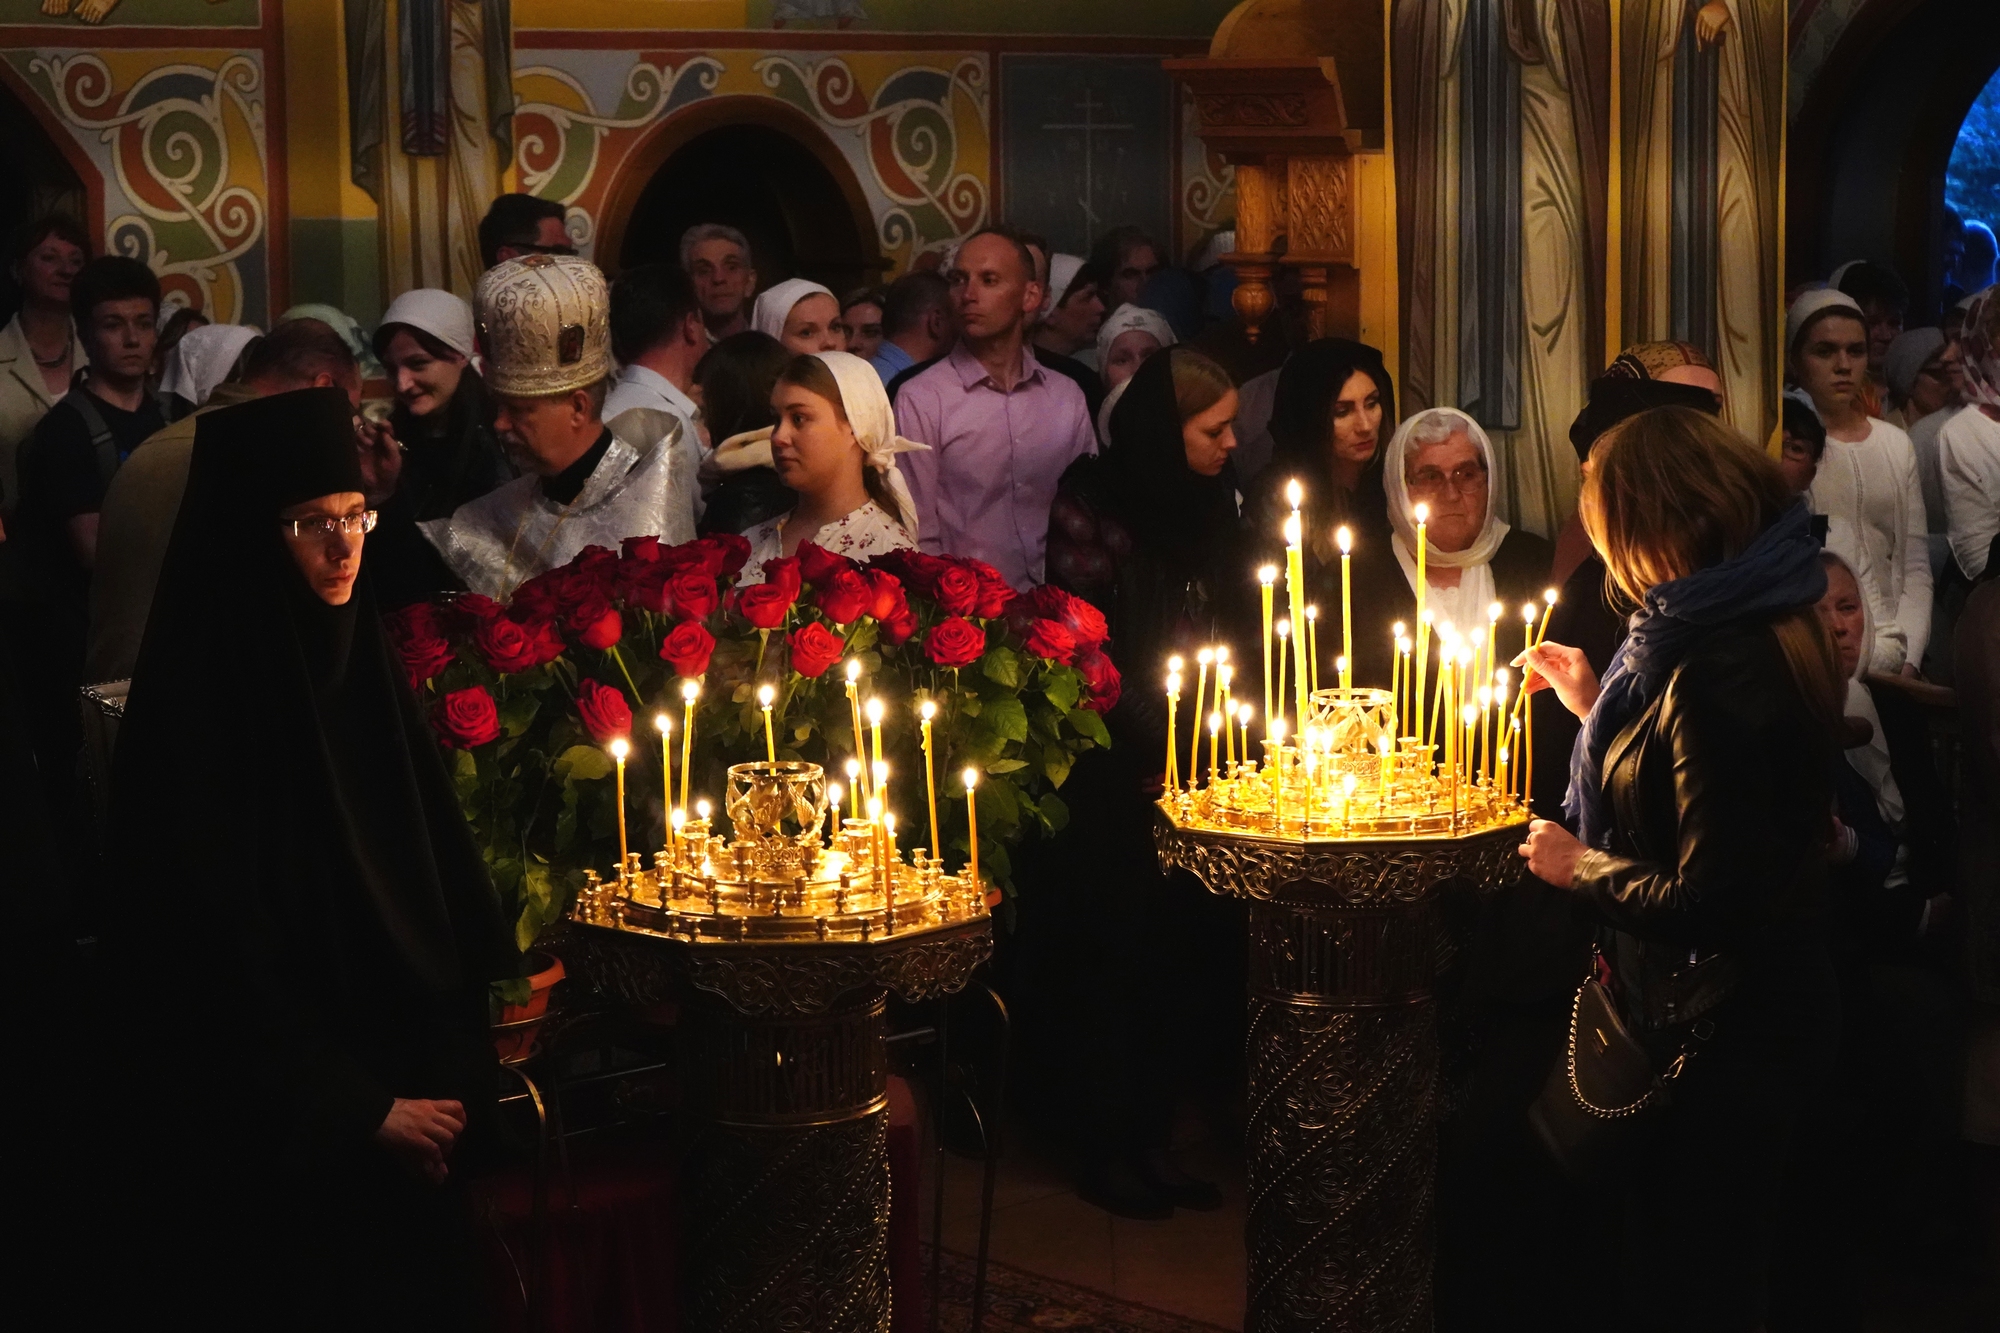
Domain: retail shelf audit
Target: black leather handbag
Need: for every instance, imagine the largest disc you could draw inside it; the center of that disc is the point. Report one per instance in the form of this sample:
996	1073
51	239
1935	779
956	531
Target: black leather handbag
1604	1091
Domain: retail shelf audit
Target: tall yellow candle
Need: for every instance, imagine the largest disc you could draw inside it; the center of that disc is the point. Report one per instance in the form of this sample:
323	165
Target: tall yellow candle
1295	591
665	724
1214	730
1223	673
1173	703
1243	715
1202	660
875	711
1346	540
1284	631
1266	577
971	777
855	784
1312	649
1396	633
619	749
854	708
690	691
927	711
1422	513
765	694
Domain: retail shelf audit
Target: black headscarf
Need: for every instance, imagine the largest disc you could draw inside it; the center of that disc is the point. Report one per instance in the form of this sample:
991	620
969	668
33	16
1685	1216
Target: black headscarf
279	808
1302	425
1177	513
1616	396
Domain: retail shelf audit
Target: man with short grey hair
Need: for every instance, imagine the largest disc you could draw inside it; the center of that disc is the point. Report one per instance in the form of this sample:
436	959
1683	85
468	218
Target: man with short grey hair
717	257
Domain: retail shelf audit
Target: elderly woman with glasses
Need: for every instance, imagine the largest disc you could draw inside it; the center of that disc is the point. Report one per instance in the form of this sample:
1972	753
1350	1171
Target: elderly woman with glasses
1439	459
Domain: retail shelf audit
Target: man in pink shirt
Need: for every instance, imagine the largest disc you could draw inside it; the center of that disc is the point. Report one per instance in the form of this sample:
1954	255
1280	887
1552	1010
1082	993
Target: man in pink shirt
1001	428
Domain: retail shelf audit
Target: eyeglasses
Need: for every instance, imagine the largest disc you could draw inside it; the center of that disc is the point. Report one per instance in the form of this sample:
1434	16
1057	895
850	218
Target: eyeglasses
1463	478
322	527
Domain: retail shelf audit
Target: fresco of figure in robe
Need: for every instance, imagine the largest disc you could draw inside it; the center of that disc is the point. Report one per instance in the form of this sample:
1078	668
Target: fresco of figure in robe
1703	119
1502	121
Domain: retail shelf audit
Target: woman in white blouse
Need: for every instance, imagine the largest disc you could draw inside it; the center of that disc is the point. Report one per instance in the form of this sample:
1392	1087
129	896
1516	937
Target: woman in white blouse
1867	484
835	444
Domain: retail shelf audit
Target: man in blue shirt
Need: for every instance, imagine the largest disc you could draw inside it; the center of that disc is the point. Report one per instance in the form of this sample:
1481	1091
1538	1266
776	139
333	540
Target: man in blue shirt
916	323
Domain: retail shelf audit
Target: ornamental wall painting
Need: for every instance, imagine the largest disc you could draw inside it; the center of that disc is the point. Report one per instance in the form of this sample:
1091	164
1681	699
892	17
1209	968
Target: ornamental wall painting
913	127
177	142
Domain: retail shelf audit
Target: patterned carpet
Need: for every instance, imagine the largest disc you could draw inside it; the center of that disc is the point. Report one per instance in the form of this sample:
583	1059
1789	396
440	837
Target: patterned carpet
1018	1302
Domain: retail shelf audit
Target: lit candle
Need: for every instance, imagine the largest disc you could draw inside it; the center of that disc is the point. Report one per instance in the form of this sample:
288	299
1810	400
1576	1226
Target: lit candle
1345	539
891	858
675	822
1223	674
854	786
1463	693
1550	596
1396	674
1422	514
1202	660
1312	649
1388	746
1340	669
1214	731
854	709
1275	730
875	735
1284	632
972	822
832	807
1501	680
875	842
619	749
926	711
1295	588
1493	614
1347	786
765	694
1173	702
690	691
1482	770
1244	712
879	780
1470	716
1309	759
1266	578
665	723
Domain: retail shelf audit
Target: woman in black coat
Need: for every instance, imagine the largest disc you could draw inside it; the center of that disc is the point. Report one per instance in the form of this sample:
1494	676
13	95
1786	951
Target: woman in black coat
1701	785
1140	971
1335	406
298	908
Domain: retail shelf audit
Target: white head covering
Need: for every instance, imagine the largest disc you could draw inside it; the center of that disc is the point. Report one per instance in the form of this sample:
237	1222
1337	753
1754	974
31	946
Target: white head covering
203	358
1813	303
1907	356
1104	411
344	324
1062	272
866	404
774	306
445	317
1130	318
1398	489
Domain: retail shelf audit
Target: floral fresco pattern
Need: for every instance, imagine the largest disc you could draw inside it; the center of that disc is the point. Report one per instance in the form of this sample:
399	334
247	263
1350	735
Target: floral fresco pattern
178	140
914	126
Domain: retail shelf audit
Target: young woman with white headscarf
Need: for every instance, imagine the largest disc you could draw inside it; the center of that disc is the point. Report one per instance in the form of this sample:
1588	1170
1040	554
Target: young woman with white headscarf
802	315
835	444
1126	338
1442	459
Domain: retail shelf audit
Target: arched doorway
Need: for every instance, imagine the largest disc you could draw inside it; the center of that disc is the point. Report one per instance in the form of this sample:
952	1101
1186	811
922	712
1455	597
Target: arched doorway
40	181
755	164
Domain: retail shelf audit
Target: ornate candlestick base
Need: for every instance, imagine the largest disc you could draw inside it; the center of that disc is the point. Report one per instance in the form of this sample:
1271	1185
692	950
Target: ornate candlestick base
790	950
1345	942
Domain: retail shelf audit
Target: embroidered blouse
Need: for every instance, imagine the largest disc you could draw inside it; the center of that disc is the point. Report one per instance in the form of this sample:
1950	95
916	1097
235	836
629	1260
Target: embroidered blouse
868	531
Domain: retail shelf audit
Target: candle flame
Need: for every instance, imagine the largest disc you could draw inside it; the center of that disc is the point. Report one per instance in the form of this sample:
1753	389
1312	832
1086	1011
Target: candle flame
1267	575
679	818
1470	714
1284	629
765	694
881	774
1339	665
1312	613
619	749
690	690
702	809
1175	663
1495	611
1225	674
662	721
1221	652
1294	493
970	778
1398	629
1244	712
1549	595
1348	782
1429	616
874	711
927	710
889	823
1527	613
1485	696
853	769
1344	539
1215	721
1205	656
834	792
1277	729
874	807
1423	513
1402	644
853	670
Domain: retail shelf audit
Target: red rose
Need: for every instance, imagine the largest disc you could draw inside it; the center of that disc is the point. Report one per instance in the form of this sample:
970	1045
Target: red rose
1048	639
815	648
692	594
897	629
913	567
957	590
1079	617
465	718
642	550
726	552
688	648
819	564
418	620
603	630
693	555
765	605
543	596
510	647
889	601
424	658
1100	681
603	711
476	608
956	642
994	592
645	586
844	595
640	571
785	573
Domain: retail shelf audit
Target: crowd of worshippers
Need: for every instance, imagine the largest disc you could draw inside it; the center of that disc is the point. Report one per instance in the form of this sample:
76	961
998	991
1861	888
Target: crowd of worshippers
1102	424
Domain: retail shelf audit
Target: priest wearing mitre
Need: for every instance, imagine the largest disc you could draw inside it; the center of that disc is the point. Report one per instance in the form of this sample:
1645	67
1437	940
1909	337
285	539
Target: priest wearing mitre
544	322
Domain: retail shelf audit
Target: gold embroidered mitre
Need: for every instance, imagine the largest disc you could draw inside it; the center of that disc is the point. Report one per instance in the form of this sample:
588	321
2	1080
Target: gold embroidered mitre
545	324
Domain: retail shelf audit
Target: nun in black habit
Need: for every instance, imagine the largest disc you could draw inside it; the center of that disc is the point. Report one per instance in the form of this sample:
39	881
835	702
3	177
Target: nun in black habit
298	900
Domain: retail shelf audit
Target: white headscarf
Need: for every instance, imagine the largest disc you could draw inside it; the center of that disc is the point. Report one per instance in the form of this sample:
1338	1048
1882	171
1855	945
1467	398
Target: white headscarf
203	358
1813	303
866	405
1398	490
1104	411
1132	319
1062	272
774	306
343	324
445	317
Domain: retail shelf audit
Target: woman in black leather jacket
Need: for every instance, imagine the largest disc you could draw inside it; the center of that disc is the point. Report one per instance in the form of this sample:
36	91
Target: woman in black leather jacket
1132	976
1702	788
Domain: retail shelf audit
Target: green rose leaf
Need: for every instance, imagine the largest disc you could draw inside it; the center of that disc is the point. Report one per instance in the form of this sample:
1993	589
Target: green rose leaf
1056	763
1090	726
517	712
1006	717
1003	667
1055	814
584	763
1062	687
1005	766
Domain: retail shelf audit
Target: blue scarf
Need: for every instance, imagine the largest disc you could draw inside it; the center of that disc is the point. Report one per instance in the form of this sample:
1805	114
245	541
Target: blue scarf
1777	572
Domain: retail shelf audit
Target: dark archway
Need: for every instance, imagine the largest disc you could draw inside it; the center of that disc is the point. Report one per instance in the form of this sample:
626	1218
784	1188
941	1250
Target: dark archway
799	215
40	180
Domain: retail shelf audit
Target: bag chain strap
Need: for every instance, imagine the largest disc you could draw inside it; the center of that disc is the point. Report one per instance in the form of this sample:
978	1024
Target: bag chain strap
1660	1081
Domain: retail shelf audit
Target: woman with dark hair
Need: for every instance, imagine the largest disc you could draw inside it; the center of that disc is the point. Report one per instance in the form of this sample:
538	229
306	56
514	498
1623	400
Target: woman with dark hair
734	380
1334	408
289	845
1136	973
443	419
1701	786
